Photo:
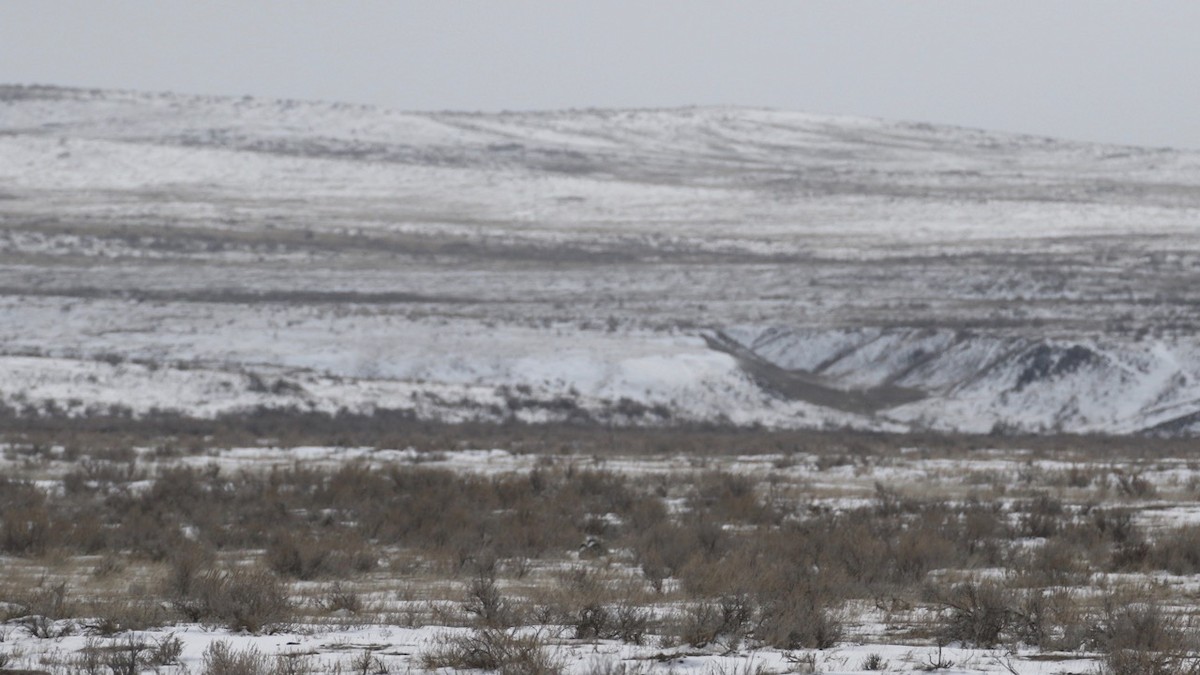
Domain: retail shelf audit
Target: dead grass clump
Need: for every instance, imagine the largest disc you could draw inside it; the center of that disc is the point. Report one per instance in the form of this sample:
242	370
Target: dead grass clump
101	475
125	657
339	598
626	621
41	610
788	584
662	550
366	663
726	621
1130	556
504	651
1043	516
485	602
221	659
295	664
802	619
871	551
87	661
129	655
596	605
132	612
873	662
926	544
1114	524
752	563
248	599
1076	476
889	503
786	608
797	619
313	556
26	526
723	497
974	613
1050	620
184	564
50	600
1132	485
1141	638
631	622
598	491
613	667
164	651
1176	550
1054	563
984	529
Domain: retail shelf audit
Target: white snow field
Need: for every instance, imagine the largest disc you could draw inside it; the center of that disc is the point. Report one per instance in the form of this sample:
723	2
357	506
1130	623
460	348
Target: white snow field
709	265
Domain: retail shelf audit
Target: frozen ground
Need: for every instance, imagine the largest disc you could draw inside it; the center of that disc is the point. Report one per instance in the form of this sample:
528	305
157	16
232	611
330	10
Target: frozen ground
728	265
393	650
327	640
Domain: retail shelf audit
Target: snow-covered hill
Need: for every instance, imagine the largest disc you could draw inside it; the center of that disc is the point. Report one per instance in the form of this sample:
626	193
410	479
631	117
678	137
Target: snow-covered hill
635	266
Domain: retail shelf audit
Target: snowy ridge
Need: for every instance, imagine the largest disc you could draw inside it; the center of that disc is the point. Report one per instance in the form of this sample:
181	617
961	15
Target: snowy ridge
710	265
981	383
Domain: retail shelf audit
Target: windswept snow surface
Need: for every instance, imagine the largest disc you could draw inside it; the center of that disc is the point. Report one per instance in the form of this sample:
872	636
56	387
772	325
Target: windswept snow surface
742	266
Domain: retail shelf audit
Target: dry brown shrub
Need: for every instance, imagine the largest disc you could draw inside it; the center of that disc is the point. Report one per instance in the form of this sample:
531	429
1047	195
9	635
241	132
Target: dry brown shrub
222	659
974	613
130	613
722	497
486	603
1176	550
1139	637
1043	516
491	649
337	554
1050	620
26	526
726	621
1055	563
803	618
241	598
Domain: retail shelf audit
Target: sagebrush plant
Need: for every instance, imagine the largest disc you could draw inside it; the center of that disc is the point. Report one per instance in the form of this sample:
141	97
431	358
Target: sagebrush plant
1050	619
240	598
1138	636
726	623
163	651
137	611
709	557
366	663
508	652
222	659
340	598
339	554
486	603
800	619
977	614
125	657
873	662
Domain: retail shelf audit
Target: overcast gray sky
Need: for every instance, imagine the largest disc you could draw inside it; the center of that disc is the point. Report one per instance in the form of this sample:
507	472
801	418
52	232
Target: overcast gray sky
1123	71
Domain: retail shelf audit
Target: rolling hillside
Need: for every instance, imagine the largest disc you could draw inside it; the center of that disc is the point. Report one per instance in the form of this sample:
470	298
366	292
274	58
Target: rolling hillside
717	265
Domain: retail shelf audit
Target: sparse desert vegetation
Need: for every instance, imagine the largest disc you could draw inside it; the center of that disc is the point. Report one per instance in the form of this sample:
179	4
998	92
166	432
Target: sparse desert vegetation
634	553
291	388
